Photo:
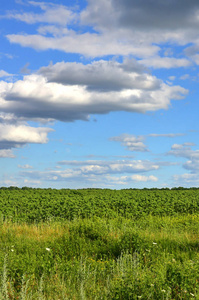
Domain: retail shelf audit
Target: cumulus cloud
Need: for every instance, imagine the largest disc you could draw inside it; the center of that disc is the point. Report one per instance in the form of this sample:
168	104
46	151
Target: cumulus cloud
185	76
25	166
140	178
184	146
25	70
34	183
97	173
51	13
102	75
150	22
193	51
14	136
186	179
131	142
6	153
71	177
119	28
170	135
8	182
170	15
185	151
147	22
136	143
17	135
5	74
117	166
72	91
143	14
88	44
166	62
23	134
193	164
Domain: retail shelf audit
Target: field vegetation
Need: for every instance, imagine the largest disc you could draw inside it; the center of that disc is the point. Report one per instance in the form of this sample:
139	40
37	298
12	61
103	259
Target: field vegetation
99	244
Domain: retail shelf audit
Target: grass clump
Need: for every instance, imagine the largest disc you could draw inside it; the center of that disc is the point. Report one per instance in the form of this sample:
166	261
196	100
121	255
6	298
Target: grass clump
101	258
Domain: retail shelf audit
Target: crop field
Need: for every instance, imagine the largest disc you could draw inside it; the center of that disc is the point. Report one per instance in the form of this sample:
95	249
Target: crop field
99	244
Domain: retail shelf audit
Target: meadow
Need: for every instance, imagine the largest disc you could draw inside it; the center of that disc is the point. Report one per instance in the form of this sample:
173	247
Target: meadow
99	244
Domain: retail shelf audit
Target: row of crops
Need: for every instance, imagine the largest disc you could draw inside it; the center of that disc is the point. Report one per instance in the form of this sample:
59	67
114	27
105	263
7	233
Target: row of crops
32	205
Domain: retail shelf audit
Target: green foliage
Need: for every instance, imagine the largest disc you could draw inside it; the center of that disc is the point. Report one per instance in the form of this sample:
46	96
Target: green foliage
99	244
35	205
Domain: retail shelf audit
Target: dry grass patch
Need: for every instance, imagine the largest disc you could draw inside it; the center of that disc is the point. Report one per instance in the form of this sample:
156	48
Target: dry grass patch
38	232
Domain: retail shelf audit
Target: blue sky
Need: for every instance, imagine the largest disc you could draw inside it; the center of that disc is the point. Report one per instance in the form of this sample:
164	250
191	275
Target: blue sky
99	93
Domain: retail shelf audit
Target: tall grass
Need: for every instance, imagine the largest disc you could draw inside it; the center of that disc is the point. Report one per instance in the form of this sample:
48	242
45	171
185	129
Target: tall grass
99	258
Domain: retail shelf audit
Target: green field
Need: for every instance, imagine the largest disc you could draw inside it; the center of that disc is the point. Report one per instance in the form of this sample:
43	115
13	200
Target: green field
99	244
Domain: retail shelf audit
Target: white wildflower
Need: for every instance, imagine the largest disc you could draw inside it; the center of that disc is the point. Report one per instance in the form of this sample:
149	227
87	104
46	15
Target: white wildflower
48	249
192	295
154	243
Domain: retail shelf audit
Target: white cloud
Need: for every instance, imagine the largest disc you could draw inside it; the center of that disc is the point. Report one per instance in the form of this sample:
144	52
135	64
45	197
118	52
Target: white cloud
144	178
188	144
142	15
52	13
172	78
131	142
6	153
165	62
177	146
127	180
170	135
185	76
136	143
96	173
25	166
193	164
25	70
5	74
114	167
9	182
15	135
102	75
23	134
185	151
187	180
119	28
98	88
82	180
193	51
88	44
32	182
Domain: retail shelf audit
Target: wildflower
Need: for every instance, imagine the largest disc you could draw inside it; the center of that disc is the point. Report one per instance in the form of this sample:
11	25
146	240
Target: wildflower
192	295
48	249
152	284
154	243
12	250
